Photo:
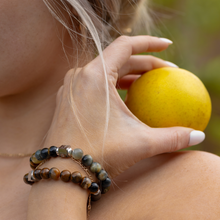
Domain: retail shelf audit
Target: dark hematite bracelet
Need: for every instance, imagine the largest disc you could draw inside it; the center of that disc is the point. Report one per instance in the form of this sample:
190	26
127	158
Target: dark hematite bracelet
65	151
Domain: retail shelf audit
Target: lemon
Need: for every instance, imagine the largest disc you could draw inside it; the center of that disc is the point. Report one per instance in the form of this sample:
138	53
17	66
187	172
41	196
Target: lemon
167	97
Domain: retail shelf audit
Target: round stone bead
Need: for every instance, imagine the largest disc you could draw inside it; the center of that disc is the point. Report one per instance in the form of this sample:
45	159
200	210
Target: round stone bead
38	155
76	177
102	175
54	173
26	180
87	160
44	173
37	174
96	196
95	167
34	160
77	154
65	175
45	153
62	151
33	165
94	188
86	183
106	183
52	151
105	190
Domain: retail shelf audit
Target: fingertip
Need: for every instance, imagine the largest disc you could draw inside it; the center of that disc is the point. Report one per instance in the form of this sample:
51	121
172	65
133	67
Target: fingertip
171	64
196	137
166	40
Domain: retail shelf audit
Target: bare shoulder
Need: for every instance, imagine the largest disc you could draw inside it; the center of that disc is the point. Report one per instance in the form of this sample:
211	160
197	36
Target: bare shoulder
181	185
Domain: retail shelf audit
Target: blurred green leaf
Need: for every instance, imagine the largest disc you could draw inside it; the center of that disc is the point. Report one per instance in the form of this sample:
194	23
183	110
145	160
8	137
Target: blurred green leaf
122	94
203	15
211	75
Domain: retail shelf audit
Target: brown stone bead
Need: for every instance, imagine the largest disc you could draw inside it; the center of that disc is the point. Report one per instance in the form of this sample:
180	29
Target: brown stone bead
33	166
54	173
65	175
86	183
76	177
37	174
26	180
44	173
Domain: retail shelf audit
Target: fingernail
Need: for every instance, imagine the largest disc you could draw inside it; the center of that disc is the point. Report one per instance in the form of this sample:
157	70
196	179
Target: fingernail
166	40
196	137
171	64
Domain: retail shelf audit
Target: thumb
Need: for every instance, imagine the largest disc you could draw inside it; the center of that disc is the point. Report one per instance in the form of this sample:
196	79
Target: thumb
165	140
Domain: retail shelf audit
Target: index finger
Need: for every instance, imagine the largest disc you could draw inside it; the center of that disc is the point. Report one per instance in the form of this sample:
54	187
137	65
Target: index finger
118	52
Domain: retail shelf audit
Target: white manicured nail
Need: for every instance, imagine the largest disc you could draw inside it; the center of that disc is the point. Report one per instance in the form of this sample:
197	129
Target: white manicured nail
171	64
166	40
196	137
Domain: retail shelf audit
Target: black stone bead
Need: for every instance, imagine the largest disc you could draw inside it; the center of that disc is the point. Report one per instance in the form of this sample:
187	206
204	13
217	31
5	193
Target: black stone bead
44	153
94	188
87	160
106	183
97	196
105	190
25	178
37	174
38	155
53	151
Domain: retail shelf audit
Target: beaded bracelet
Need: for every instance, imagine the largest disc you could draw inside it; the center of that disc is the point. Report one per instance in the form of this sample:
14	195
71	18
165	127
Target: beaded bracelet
65	151
65	176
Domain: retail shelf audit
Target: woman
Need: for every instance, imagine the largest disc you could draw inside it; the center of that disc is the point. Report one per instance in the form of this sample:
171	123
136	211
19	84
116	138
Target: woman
87	112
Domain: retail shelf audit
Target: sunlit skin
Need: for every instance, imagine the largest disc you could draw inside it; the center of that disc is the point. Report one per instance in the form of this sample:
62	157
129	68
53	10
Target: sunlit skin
33	66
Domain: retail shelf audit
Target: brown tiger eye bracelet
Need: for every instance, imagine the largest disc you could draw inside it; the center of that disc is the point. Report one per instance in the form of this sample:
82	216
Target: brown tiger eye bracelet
66	176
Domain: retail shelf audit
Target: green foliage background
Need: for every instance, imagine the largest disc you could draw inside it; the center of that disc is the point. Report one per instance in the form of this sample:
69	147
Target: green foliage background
194	27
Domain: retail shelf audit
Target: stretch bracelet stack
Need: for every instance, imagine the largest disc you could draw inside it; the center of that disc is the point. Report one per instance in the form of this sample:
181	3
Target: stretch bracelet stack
65	151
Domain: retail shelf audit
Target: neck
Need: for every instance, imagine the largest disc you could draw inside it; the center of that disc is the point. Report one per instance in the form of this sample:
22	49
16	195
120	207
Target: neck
26	117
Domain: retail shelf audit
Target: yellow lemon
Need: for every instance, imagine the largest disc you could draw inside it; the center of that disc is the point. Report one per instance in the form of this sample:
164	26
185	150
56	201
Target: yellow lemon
167	97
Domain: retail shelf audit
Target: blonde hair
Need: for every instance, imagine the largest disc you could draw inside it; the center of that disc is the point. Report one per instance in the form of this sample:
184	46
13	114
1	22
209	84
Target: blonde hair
97	23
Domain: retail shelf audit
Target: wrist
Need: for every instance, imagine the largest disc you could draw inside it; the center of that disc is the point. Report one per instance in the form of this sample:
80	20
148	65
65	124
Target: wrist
48	198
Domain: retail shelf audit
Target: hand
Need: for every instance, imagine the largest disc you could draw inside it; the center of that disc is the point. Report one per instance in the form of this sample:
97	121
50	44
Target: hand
80	115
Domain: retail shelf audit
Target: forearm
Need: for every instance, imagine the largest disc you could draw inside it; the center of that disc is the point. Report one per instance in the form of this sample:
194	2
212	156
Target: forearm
51	199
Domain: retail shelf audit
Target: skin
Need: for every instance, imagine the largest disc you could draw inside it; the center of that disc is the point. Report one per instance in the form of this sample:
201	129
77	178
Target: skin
33	67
